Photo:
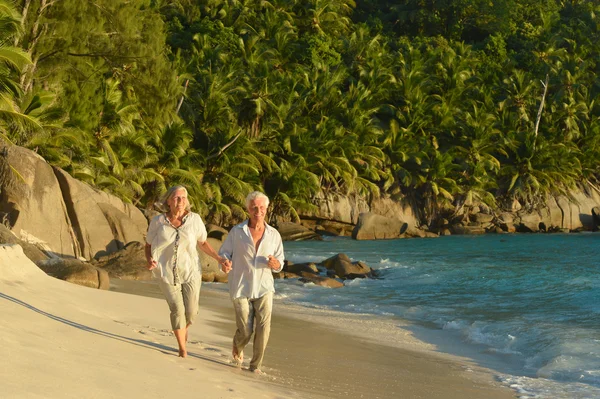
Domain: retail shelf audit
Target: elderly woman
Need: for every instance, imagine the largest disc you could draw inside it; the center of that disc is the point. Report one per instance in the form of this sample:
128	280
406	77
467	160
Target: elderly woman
172	256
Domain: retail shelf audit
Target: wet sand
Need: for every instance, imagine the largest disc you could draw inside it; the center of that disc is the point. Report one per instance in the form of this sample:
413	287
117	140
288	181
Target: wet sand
319	354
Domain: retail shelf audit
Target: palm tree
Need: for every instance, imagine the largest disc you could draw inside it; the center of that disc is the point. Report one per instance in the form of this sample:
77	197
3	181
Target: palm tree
13	121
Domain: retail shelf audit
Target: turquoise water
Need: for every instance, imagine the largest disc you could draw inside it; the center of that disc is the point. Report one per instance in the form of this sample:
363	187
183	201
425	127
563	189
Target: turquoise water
532	302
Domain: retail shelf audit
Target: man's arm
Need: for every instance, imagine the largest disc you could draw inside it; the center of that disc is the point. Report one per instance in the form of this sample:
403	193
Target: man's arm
226	253
276	260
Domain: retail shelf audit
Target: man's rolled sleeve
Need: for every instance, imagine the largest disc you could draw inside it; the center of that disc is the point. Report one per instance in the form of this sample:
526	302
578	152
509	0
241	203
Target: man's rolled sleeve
279	254
226	249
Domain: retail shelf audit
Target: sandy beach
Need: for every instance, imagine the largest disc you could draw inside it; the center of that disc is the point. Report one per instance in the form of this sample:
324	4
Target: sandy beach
60	340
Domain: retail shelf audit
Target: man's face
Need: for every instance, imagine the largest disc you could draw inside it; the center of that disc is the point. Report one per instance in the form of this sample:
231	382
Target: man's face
258	209
178	201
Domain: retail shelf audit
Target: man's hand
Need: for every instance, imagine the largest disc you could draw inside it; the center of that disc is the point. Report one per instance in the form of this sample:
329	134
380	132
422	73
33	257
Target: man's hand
273	263
225	265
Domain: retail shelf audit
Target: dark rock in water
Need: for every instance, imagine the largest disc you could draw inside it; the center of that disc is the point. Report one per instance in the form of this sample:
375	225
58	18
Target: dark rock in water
331	273
128	263
308	277
329	263
285	275
77	272
295	232
300	267
345	268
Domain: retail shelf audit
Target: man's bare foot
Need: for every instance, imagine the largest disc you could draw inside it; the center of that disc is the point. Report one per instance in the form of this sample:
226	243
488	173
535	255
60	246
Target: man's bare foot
238	358
182	353
256	371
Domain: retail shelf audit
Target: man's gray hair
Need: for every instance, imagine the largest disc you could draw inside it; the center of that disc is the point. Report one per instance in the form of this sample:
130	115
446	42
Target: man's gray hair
254	196
170	192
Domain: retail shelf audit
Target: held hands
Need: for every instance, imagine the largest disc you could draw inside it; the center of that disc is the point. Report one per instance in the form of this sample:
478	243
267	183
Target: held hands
225	265
273	263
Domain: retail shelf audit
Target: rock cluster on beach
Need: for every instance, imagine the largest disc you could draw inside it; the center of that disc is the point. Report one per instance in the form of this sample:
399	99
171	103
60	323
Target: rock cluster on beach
328	273
80	234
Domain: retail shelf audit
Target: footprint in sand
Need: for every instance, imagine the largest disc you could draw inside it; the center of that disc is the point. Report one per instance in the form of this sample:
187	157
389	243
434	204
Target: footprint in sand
213	349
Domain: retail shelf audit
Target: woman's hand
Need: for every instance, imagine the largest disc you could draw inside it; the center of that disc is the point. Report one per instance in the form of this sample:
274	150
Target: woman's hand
151	264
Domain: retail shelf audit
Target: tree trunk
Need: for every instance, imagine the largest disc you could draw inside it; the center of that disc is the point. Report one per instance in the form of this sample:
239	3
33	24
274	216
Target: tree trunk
36	33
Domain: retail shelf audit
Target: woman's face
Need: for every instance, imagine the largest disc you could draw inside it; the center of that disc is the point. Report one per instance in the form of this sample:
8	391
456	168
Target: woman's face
178	201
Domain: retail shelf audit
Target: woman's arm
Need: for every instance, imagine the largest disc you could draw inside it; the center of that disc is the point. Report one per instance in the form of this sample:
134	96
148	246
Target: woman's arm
209	250
150	263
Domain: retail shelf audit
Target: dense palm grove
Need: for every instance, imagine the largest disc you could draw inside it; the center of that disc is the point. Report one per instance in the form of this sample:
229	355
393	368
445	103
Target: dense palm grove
443	103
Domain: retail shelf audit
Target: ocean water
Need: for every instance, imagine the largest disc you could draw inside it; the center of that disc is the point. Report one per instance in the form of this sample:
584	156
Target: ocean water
528	303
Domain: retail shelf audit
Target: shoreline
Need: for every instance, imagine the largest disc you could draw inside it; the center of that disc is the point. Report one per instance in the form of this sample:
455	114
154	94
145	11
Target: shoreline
321	352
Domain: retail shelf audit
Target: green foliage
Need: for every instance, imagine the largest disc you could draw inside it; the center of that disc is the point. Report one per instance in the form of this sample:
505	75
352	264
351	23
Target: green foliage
433	100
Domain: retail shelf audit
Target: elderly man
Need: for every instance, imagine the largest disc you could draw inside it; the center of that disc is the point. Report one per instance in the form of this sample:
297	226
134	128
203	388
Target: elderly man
253	250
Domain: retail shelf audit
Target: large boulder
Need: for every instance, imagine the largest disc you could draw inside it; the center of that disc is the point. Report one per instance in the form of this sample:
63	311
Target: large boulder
290	231
337	207
102	223
395	209
77	272
506	222
371	226
572	213
128	263
529	222
72	219
482	218
31	201
346	210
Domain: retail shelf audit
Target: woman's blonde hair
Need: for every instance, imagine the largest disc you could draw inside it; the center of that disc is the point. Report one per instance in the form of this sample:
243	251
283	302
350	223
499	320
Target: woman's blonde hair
165	198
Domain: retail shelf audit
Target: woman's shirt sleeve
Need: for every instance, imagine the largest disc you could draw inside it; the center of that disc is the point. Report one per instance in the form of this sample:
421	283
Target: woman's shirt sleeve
201	232
152	230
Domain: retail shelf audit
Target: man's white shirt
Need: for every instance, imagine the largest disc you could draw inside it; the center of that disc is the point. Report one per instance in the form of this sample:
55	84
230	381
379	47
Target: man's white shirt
250	276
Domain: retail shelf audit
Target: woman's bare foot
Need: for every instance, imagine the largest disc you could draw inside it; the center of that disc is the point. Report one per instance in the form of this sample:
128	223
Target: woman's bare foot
238	358
182	353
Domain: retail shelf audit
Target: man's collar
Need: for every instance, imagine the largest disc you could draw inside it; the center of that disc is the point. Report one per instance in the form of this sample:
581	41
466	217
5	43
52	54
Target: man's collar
245	224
